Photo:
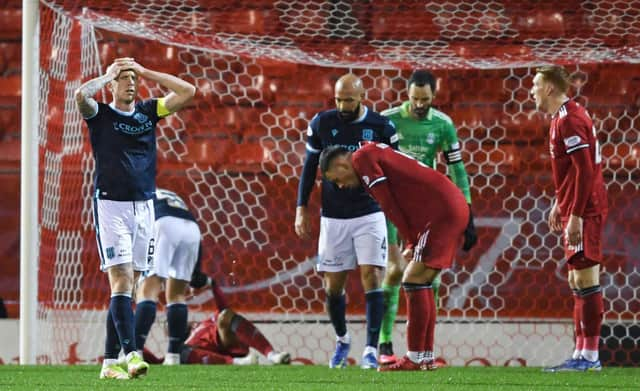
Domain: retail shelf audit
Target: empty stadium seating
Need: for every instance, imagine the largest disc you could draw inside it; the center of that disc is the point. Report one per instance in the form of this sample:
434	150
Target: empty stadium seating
10	24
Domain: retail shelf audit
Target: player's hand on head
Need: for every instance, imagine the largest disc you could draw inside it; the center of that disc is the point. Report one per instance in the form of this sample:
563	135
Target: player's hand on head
113	70
137	68
128	63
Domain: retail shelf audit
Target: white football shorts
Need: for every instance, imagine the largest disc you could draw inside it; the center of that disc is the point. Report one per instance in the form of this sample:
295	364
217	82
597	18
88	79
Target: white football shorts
345	243
177	245
125	233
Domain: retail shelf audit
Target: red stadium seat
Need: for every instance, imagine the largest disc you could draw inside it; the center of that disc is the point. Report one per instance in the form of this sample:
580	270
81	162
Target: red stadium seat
537	21
10	153
9	122
11	86
623	155
408	22
488	158
12	53
208	151
246	157
10	24
255	133
245	21
10	57
524	128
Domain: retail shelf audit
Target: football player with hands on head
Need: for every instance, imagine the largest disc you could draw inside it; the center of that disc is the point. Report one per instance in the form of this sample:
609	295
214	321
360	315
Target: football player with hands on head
123	140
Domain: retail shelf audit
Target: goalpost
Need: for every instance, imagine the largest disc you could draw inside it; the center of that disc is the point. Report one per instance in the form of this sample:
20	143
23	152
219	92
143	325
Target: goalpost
262	70
29	238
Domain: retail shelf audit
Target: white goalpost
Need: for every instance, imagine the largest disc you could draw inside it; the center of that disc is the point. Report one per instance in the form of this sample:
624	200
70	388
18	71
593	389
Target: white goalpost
29	232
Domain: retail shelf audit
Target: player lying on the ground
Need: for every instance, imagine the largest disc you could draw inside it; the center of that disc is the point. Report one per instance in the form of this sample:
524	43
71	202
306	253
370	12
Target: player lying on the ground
224	338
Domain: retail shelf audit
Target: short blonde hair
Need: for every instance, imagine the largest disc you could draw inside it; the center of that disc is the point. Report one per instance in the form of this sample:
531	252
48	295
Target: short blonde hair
556	75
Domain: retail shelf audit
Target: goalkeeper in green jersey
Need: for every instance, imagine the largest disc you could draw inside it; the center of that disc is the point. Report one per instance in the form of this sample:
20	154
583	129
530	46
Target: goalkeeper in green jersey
424	131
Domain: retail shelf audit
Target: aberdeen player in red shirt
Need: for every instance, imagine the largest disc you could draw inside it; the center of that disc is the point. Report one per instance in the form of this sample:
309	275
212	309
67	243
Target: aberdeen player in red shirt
223	338
579	209
431	215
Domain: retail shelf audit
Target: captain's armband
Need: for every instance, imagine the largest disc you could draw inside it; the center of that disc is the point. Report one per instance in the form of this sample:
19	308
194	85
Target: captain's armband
453	156
161	109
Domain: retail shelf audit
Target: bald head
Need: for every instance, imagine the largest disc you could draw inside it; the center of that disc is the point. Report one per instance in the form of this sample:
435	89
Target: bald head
349	82
348	95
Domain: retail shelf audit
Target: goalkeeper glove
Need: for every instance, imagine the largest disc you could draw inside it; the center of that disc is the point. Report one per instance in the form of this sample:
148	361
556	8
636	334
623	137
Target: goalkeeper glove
470	236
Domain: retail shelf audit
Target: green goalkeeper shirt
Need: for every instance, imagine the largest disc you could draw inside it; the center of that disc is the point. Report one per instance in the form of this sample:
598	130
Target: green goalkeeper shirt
423	139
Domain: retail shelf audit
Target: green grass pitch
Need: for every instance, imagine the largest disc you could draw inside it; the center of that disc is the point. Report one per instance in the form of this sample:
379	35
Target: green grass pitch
261	378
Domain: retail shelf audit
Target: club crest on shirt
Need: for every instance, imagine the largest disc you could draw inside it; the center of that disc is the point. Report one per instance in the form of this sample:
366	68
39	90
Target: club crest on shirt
334	132
110	252
141	118
367	134
431	138
366	180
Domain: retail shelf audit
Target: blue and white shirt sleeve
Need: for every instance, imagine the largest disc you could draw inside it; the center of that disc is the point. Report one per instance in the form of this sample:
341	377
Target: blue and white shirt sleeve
314	144
310	167
391	134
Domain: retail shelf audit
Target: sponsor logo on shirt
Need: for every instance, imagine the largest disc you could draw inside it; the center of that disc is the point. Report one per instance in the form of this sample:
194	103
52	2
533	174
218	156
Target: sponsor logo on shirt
131	129
349	148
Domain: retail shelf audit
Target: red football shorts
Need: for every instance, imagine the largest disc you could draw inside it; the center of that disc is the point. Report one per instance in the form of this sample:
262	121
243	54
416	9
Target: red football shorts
589	253
438	244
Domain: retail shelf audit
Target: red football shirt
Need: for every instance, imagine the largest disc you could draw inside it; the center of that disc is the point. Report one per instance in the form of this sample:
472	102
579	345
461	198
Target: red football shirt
576	162
411	194
205	335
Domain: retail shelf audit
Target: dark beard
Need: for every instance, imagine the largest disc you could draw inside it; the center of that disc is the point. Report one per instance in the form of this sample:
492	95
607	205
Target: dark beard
349	116
421	114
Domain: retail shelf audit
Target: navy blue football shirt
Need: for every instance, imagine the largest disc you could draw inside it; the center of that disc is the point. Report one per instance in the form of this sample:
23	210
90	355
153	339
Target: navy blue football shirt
326	129
124	149
168	203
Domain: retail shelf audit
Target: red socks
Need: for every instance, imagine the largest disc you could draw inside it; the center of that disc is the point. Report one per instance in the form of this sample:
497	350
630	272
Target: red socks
577	316
421	317
591	316
218	296
249	335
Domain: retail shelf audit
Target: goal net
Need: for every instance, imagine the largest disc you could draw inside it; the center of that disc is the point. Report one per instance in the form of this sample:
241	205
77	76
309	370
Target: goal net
262	70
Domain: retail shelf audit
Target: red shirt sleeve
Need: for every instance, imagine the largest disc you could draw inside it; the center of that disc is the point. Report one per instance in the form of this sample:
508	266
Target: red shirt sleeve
574	133
584	180
366	163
